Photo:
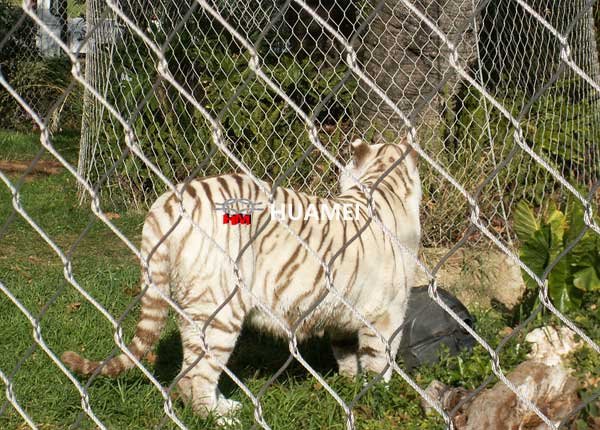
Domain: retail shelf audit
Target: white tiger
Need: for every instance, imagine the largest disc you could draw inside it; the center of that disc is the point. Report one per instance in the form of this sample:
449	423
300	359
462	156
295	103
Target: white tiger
371	272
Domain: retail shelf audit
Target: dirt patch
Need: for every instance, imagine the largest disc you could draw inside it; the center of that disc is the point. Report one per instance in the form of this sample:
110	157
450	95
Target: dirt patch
42	167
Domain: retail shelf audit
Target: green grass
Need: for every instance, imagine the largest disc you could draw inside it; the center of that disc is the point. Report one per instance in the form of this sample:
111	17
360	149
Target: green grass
105	268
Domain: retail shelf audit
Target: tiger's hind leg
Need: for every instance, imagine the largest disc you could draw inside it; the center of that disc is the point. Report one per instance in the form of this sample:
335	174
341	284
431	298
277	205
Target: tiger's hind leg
372	351
345	351
201	371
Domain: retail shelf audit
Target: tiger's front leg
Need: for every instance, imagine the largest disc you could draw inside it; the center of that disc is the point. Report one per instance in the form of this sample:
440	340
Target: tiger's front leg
345	351
372	351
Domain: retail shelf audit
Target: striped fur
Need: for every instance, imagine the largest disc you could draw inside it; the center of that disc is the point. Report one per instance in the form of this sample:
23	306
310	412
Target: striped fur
371	273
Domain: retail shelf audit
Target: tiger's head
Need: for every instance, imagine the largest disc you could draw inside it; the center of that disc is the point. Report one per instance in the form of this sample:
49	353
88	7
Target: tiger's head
370	161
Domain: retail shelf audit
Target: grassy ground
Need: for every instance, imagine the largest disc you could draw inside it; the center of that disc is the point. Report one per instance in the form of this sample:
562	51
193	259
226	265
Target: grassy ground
107	270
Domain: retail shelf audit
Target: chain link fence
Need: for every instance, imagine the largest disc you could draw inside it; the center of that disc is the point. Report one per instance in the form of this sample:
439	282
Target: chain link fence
36	67
507	52
498	99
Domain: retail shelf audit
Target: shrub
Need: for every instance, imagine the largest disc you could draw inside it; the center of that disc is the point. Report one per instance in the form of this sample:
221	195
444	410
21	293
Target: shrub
41	82
544	238
258	125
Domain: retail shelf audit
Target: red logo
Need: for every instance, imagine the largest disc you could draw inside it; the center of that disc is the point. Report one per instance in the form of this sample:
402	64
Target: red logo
235	219
238	211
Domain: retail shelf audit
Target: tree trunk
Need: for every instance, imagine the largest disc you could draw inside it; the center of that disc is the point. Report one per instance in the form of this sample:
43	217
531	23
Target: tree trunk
585	52
407	60
89	121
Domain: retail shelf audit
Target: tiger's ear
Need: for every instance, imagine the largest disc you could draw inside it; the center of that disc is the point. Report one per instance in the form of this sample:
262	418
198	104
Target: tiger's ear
359	149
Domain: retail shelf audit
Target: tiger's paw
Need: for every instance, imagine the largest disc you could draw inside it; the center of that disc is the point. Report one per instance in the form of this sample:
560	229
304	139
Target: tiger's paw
229	422
227	409
227	406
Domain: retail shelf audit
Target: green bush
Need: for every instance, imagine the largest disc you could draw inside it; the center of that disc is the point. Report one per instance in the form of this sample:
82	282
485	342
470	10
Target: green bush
41	82
559	127
544	238
259	127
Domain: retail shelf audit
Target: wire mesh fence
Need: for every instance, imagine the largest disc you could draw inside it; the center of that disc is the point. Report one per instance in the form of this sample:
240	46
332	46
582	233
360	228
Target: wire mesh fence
498	100
458	127
38	71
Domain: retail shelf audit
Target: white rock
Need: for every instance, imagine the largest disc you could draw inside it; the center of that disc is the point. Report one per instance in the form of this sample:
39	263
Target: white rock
550	346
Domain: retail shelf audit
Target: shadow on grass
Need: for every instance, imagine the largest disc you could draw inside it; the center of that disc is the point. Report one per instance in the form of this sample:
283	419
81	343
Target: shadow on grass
256	355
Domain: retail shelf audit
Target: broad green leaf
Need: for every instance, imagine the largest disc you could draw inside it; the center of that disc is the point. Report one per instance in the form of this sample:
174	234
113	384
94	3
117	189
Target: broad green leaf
561	290
535	253
575	219
558	224
525	223
586	253
562	298
587	279
562	293
551	208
